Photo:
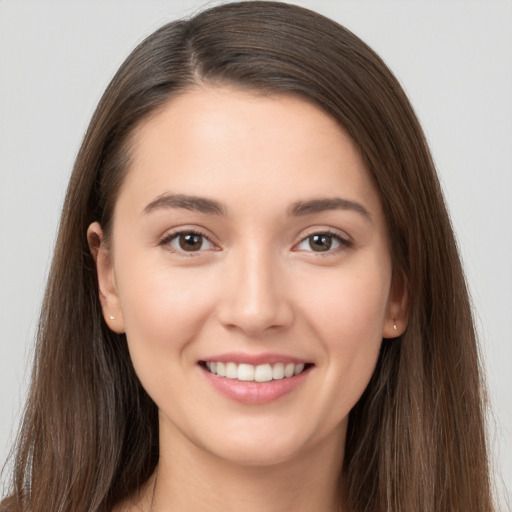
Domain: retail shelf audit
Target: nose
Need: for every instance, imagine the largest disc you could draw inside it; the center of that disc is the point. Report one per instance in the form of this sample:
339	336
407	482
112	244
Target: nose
255	297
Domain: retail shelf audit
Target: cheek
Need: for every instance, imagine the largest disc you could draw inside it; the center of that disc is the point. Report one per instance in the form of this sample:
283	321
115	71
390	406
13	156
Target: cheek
163	309
347	318
349	305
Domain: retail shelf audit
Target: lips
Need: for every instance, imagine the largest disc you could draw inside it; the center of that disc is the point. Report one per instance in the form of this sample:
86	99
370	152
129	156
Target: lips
255	379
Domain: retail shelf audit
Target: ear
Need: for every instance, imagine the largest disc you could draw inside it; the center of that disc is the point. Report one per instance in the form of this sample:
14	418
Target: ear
396	319
106	278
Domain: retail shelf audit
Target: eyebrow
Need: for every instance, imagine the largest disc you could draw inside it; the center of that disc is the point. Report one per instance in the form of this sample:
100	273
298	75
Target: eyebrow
193	203
297	209
321	205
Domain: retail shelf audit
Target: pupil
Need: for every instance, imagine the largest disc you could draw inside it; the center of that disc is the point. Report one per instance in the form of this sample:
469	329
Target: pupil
191	242
321	243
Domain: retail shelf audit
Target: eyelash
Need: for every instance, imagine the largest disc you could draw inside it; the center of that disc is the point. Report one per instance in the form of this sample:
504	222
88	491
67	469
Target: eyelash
343	242
167	239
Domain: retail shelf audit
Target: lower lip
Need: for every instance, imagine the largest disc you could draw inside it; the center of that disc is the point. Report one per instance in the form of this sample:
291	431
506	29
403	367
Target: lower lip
255	393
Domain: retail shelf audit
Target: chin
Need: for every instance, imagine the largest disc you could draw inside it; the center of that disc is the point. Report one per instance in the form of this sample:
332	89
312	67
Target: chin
269	444
257	455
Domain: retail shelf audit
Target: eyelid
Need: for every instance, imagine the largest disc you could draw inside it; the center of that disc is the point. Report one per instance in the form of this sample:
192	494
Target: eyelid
345	241
184	230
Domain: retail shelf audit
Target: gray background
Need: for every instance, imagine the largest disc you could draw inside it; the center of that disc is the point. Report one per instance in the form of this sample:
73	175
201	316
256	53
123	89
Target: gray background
452	57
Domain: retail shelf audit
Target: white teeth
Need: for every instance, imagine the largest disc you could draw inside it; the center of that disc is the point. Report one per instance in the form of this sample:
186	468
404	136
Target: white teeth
278	371
298	369
263	373
221	369
231	370
289	369
245	372
250	373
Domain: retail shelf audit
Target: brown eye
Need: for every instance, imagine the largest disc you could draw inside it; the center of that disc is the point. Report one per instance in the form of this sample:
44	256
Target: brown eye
322	242
189	241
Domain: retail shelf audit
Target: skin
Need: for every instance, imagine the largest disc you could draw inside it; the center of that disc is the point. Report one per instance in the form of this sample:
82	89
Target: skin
257	284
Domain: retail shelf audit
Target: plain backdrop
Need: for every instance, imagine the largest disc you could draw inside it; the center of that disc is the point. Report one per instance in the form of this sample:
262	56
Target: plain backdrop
454	59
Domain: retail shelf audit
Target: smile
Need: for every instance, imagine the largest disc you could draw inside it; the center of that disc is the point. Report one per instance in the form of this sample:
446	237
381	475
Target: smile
251	373
269	378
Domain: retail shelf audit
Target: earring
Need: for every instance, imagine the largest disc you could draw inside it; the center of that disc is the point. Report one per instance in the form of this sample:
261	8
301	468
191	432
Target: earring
394	326
113	318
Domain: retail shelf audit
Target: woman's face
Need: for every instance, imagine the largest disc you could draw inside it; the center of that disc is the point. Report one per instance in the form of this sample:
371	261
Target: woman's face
248	244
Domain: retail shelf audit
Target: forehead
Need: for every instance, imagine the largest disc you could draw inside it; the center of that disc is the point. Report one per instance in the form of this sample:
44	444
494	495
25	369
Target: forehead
218	141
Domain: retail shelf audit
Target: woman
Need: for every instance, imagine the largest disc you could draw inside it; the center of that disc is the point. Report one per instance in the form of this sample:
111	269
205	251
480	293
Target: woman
256	299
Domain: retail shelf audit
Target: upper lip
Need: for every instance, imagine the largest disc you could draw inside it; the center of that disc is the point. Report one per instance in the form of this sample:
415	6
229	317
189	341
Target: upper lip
254	359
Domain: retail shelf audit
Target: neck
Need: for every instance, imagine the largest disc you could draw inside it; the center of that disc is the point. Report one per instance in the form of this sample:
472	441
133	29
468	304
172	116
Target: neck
188	477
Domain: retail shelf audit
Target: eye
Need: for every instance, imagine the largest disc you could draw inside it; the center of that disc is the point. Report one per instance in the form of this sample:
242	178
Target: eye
188	241
322	242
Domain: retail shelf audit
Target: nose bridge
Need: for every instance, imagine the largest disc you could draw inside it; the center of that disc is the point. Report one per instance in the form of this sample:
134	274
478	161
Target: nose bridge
255	299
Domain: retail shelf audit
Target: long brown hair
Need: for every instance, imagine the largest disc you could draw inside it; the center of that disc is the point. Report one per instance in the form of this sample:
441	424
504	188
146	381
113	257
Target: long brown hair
416	439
